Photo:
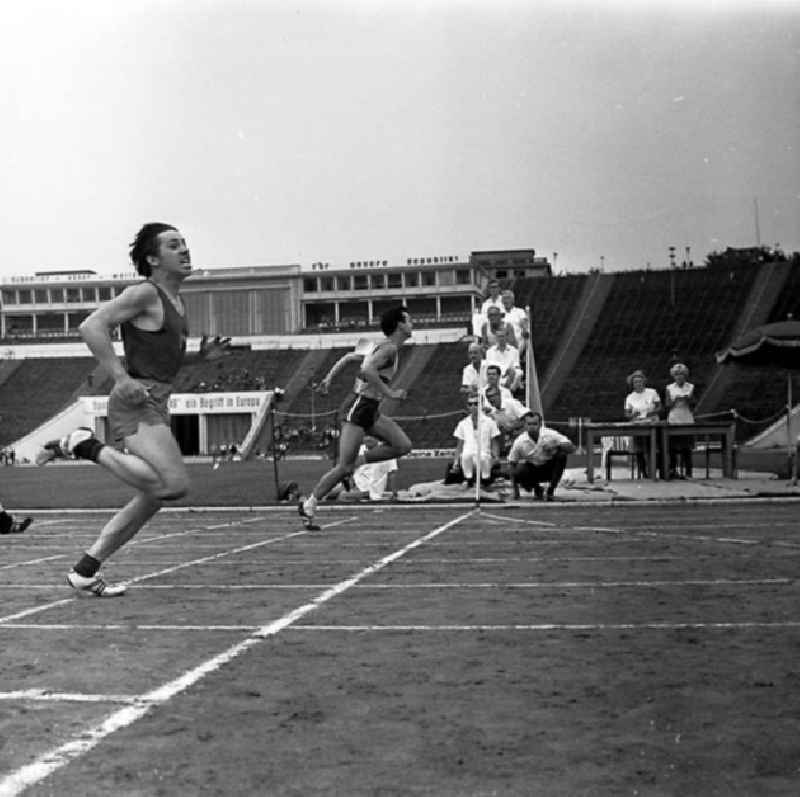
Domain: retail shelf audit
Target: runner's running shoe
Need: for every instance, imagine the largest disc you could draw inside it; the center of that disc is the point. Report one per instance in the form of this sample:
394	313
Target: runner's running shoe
308	520
65	447
93	585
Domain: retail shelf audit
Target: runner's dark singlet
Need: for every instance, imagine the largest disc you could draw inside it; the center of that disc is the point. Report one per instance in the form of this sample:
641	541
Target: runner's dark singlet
156	354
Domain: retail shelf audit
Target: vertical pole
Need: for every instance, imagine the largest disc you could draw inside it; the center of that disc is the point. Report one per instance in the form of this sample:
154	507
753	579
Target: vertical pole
274	452
478	461
528	357
791	450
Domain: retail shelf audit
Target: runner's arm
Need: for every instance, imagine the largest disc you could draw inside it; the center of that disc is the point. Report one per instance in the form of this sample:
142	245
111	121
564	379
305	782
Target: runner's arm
134	301
350	357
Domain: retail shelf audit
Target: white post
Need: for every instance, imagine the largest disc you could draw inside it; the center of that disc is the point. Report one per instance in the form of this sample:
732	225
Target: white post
478	461
791	449
528	358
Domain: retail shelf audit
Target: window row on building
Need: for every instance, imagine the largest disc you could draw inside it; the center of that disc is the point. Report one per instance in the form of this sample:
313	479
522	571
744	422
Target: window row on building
50	296
391	280
346	314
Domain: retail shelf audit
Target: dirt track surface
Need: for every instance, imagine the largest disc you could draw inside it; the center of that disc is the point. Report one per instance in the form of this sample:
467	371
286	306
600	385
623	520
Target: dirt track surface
597	651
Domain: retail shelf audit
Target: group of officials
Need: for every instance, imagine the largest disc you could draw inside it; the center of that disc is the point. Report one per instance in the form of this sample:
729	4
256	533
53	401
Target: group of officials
493	378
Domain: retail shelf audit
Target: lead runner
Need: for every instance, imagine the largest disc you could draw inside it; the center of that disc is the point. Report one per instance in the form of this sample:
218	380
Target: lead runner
363	414
144	453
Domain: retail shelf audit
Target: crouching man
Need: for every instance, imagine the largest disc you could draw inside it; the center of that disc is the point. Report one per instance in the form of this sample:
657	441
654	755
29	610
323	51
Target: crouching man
538	455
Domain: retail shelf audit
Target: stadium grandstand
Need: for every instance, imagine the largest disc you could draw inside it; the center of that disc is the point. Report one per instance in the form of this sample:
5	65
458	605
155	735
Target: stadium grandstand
282	326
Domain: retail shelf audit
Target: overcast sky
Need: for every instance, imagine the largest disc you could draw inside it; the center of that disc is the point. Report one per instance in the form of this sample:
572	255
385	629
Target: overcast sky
291	132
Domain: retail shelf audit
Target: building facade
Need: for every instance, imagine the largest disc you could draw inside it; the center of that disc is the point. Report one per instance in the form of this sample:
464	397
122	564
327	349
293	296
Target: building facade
275	300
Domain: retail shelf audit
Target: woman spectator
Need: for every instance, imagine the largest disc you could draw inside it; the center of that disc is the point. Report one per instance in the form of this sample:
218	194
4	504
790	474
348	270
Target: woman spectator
642	405
679	399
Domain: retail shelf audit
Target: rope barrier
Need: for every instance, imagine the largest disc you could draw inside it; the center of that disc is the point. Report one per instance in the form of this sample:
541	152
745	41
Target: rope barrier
733	413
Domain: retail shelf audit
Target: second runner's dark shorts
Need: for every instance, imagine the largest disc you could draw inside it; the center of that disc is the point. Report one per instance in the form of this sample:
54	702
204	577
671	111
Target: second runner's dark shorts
363	412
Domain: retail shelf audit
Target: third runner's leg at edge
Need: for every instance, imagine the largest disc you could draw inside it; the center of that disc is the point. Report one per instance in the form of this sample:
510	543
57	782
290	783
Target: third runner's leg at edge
154	466
394	444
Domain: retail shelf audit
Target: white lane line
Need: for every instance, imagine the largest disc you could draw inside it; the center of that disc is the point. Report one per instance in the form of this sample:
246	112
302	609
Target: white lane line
126	627
240	549
199	529
45	695
45	607
507	519
35	610
697	582
271	562
667	536
741	624
52	760
659	626
33	561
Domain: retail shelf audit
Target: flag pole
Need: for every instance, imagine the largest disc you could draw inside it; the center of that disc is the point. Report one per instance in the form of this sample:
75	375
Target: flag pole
528	358
478	460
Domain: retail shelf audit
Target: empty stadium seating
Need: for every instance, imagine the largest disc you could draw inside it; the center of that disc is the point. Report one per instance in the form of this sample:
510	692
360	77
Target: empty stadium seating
648	316
37	389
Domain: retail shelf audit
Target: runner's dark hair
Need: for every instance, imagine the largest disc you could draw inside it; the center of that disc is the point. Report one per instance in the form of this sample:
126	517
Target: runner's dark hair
392	318
146	244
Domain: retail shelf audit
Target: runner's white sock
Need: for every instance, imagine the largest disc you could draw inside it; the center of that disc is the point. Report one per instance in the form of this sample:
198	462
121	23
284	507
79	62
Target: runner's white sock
310	505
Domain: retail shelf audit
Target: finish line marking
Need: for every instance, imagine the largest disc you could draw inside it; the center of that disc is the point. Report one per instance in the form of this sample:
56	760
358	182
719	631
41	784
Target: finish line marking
47	763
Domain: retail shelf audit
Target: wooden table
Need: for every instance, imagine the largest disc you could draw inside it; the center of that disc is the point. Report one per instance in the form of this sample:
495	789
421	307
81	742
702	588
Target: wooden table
646	429
661	431
724	430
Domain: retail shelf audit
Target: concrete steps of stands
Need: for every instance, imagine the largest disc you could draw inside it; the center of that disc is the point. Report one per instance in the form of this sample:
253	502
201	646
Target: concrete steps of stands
578	330
764	294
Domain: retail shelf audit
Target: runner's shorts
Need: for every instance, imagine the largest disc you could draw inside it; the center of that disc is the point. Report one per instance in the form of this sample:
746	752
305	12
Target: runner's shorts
363	412
124	418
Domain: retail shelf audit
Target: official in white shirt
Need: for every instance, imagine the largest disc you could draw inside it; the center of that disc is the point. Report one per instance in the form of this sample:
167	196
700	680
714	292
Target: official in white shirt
538	455
467	433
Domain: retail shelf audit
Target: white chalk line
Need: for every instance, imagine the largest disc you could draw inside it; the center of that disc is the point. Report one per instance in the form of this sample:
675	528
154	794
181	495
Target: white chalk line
698	582
454	560
661	625
47	763
126	627
45	607
44	695
672	536
658	626
33	561
507	519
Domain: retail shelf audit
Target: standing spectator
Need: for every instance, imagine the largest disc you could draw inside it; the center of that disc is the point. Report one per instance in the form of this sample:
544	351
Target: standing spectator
516	316
679	400
538	455
494	299
473	377
642	405
506	357
493	324
466	433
